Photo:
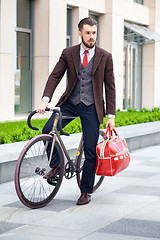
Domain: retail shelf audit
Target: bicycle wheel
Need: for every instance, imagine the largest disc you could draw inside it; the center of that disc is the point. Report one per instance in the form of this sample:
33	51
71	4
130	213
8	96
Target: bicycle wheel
32	189
80	162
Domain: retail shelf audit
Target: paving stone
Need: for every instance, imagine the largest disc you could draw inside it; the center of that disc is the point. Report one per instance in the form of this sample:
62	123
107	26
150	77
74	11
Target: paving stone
125	207
7	226
134	174
134	227
57	205
140	190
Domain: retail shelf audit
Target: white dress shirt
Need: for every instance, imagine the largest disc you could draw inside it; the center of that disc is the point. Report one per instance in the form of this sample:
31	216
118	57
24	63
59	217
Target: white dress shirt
90	53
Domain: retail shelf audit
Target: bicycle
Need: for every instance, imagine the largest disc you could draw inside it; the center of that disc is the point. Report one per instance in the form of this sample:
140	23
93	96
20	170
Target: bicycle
32	188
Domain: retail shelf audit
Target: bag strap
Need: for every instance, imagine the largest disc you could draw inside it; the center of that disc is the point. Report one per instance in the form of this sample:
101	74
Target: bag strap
108	131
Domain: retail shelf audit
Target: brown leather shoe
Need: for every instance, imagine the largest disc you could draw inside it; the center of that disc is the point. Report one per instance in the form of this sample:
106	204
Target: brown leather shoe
52	173
85	198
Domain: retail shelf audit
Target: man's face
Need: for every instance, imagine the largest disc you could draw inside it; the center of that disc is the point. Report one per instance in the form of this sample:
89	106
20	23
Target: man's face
88	36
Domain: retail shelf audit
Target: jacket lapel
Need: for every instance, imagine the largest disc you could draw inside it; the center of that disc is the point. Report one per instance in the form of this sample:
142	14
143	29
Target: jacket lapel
76	57
97	58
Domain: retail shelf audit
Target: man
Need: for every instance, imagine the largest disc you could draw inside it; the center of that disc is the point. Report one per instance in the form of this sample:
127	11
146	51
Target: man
89	68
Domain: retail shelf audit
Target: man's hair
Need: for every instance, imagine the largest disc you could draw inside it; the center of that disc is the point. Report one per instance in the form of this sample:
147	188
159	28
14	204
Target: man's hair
86	21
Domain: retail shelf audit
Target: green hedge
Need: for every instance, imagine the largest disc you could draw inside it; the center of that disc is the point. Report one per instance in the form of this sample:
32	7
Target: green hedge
19	131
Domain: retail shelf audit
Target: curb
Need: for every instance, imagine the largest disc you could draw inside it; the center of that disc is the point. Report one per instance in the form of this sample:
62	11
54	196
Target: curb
137	136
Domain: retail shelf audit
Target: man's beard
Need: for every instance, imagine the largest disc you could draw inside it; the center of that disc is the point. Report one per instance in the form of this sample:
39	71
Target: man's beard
87	45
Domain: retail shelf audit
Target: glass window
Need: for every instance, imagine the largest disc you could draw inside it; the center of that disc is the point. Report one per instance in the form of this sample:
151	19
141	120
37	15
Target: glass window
23	13
129	76
23	50
132	76
23	78
95	17
139	77
69	27
23	68
131	36
137	1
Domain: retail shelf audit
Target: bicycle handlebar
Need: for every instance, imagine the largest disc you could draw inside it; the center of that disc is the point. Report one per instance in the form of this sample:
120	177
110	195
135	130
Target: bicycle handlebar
54	110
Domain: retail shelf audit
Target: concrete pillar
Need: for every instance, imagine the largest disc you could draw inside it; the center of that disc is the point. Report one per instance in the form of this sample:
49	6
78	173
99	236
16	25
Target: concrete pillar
111	32
7	56
41	48
49	41
157	75
57	40
148	76
151	61
156	15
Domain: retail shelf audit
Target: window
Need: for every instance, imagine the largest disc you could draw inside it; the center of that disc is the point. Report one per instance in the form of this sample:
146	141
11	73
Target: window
23	67
132	77
131	36
95	17
137	1
140	34
69	27
24	13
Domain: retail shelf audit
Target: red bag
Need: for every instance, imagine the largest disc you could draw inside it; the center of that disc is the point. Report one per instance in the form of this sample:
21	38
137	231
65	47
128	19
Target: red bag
112	155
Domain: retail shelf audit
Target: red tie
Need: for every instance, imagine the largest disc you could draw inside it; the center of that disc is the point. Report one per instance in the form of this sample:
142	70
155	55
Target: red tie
85	59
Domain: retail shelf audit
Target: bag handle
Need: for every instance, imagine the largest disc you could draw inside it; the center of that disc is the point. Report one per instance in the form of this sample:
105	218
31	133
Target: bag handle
110	133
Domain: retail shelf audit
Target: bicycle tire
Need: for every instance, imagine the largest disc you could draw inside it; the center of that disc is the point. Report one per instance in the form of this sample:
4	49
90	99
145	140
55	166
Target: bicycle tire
32	189
98	179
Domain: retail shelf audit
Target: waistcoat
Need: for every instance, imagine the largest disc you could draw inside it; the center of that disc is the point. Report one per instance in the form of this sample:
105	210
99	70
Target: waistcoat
83	91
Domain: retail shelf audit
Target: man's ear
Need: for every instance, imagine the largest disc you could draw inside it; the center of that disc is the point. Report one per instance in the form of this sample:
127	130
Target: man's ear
80	34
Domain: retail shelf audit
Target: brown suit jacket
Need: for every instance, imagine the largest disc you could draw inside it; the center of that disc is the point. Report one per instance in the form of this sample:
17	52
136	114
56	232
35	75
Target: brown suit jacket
102	76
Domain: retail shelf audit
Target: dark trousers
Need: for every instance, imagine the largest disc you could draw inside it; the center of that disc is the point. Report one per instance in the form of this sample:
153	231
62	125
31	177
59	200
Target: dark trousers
90	128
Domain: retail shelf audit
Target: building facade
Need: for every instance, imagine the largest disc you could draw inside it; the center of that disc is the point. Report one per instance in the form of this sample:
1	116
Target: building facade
33	34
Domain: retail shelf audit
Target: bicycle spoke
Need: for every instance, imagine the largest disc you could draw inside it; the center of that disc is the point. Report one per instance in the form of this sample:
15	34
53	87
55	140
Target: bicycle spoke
33	190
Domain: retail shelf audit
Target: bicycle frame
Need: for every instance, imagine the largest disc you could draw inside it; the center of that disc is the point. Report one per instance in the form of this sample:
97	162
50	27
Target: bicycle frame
33	189
55	134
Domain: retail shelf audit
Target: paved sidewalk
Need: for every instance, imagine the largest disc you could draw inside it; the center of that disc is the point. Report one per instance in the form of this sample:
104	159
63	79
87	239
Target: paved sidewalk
125	207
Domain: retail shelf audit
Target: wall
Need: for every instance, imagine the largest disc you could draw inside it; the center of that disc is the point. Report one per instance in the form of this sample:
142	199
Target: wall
49	28
7	57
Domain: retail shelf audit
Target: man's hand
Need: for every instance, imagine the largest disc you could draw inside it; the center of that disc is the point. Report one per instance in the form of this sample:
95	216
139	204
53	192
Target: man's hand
110	123
44	104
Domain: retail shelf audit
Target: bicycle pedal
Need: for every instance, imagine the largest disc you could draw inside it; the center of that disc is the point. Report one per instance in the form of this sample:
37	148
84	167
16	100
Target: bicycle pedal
52	182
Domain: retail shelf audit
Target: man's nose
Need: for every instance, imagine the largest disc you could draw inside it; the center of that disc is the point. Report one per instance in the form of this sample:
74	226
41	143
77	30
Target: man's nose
91	36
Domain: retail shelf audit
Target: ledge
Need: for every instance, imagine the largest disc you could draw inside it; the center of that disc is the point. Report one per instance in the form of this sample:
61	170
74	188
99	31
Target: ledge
137	136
